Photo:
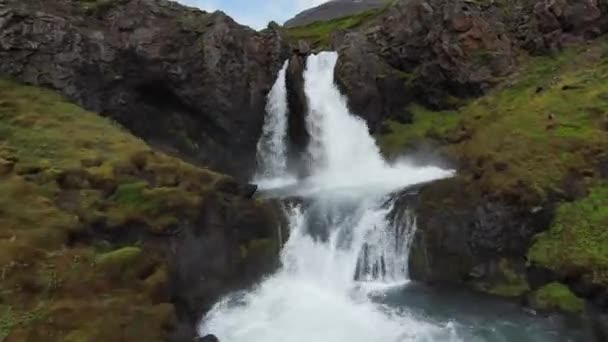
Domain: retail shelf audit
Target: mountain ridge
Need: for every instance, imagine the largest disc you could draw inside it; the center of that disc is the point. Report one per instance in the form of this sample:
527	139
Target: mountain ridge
333	9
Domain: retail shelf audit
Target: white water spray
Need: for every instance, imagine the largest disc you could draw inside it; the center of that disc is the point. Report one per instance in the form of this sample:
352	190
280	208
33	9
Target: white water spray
347	240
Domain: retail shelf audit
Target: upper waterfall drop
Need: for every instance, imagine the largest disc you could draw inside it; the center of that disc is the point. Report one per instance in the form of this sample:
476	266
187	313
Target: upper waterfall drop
342	152
272	145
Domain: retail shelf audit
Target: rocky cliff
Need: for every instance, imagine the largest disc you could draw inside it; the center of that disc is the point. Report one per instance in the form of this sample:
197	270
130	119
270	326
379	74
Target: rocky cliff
439	52
190	83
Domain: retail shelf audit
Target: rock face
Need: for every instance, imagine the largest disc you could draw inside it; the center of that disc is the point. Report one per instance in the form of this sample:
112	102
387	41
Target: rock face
232	245
428	50
437	51
548	26
333	9
298	136
189	82
464	236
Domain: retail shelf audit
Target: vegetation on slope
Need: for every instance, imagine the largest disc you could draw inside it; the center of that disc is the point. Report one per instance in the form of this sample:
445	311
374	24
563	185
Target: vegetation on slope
78	194
318	34
577	243
556	296
523	139
541	137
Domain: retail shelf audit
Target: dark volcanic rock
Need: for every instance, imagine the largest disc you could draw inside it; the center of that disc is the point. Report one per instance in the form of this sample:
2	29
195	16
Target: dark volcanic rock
189	82
436	51
430	50
462	235
547	26
298	137
208	338
333	9
233	244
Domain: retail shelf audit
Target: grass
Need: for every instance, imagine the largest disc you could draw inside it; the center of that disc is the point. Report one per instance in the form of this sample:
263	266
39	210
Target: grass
506	139
577	243
10	320
428	125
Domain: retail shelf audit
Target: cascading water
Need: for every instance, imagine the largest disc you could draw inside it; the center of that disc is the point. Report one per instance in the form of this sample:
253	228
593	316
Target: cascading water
344	235
349	241
271	148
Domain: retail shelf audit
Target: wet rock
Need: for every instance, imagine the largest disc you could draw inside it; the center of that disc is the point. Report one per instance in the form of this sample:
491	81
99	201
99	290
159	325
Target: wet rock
230	247
298	136
208	338
462	235
231	186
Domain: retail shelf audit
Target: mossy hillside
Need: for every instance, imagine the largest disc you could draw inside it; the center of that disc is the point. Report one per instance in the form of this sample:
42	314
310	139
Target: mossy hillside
557	296
522	139
318	34
428	125
577	243
79	196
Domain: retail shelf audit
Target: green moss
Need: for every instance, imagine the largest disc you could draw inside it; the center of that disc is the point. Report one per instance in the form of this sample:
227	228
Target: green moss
119	258
132	196
10	320
556	296
577	241
426	125
121	264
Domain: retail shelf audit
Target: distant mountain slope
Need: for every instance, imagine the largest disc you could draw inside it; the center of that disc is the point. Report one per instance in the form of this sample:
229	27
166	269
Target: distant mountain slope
333	9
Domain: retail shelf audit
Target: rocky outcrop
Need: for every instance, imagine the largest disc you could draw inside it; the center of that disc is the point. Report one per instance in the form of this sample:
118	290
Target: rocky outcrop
548	26
466	237
427	50
232	244
189	82
437	52
298	136
332	10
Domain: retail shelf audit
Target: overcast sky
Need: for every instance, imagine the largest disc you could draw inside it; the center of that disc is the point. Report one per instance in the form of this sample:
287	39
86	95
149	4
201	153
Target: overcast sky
255	13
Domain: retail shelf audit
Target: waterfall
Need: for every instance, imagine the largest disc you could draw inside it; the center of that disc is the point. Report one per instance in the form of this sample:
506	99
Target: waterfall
351	235
272	148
